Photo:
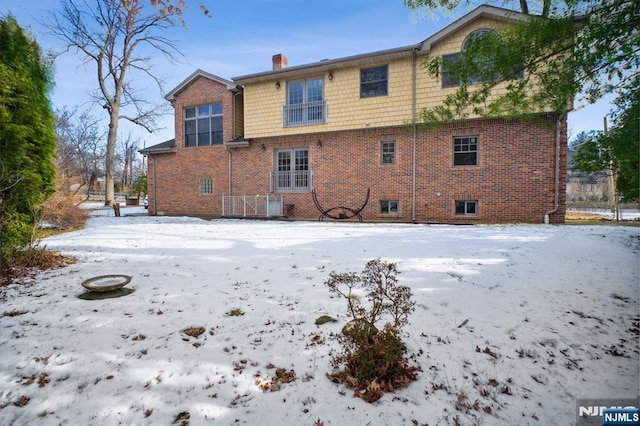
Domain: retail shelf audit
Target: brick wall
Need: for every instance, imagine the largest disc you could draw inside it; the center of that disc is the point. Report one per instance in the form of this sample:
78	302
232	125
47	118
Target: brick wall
513	181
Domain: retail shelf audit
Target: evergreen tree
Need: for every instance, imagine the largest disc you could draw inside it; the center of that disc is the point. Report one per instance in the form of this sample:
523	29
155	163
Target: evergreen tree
27	137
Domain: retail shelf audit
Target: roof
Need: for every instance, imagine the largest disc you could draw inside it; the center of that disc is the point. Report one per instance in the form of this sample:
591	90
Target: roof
483	11
161	148
422	48
199	73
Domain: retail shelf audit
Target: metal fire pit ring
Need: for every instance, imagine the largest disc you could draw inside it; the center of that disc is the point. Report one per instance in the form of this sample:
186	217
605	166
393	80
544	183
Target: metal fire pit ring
106	283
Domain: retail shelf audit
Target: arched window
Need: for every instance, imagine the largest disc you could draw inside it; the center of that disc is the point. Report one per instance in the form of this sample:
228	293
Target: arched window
474	36
450	80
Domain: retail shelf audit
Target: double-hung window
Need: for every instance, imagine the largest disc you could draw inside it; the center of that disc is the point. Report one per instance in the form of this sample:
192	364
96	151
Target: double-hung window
374	82
203	125
292	171
305	102
388	152
465	151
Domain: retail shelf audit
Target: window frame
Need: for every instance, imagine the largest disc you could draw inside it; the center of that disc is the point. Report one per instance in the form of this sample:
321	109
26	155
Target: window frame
384	152
466	204
372	93
386	208
306	111
194	117
459	140
206	186
297	176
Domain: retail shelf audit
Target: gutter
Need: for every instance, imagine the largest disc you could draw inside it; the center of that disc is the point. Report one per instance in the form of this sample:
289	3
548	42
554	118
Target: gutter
556	188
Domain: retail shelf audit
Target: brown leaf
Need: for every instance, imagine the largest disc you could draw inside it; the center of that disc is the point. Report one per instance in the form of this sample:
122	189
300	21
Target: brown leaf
22	401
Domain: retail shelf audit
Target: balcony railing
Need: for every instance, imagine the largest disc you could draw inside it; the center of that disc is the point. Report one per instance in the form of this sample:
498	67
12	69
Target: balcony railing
305	114
291	181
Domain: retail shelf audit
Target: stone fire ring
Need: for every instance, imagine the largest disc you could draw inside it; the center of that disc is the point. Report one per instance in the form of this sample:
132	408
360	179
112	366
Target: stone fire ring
106	283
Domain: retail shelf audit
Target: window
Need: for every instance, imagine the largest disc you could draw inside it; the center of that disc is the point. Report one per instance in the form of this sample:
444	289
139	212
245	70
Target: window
388	152
373	82
203	125
465	151
447	79
466	208
388	206
305	103
451	74
206	186
292	171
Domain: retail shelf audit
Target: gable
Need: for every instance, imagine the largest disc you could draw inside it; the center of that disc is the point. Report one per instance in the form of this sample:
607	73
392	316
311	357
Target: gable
229	85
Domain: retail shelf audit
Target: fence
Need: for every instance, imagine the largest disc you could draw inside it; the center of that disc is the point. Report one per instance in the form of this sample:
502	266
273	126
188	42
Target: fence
626	211
251	205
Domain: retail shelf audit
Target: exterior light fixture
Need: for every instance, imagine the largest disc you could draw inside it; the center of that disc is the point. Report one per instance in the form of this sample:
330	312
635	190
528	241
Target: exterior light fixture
264	148
319	144
330	75
277	84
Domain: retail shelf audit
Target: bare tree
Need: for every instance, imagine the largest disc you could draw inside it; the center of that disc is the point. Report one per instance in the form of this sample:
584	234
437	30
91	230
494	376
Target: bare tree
118	36
80	151
128	150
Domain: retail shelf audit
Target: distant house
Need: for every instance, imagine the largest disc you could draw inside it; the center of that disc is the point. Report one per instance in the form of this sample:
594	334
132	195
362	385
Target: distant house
585	186
261	144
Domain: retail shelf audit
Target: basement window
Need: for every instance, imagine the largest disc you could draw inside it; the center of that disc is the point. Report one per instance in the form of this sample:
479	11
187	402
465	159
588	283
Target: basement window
466	208
389	207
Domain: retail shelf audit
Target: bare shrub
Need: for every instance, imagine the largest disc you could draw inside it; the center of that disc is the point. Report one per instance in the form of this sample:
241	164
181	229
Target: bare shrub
61	212
373	354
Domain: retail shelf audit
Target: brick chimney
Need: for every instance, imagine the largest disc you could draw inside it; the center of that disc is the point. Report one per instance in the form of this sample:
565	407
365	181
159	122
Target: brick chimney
279	61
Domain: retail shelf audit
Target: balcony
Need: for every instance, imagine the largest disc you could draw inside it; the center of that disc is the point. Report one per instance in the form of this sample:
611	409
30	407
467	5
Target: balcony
291	181
305	114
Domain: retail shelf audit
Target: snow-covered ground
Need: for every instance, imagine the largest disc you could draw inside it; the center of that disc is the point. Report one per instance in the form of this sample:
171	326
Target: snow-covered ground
512	323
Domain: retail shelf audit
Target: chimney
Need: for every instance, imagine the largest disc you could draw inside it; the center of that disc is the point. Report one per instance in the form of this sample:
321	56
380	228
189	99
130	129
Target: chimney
279	61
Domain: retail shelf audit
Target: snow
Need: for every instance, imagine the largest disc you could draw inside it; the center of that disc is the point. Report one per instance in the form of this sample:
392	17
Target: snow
525	319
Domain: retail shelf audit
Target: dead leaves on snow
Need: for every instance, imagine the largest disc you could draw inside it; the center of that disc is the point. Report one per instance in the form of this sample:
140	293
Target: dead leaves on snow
375	389
282	376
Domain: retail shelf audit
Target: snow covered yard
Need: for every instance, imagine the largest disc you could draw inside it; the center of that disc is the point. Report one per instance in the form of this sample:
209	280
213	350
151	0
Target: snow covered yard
512	324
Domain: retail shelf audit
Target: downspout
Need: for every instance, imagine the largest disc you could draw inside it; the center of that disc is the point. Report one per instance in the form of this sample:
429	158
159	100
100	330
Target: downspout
230	171
234	135
413	135
155	192
556	188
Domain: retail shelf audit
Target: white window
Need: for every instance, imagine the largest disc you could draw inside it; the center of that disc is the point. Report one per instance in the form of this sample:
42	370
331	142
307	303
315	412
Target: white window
466	208
388	206
305	102
292	172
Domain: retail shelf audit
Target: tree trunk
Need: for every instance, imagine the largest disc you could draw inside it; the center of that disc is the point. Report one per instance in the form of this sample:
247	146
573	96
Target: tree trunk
111	156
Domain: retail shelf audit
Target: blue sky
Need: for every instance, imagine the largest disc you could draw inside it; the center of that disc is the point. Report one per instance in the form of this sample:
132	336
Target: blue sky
241	38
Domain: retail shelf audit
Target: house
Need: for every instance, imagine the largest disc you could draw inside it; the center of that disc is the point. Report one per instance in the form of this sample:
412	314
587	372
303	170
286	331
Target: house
585	186
334	137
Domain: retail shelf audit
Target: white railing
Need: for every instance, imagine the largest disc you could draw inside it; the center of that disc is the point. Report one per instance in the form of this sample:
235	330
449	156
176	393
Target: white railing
251	205
291	181
305	114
